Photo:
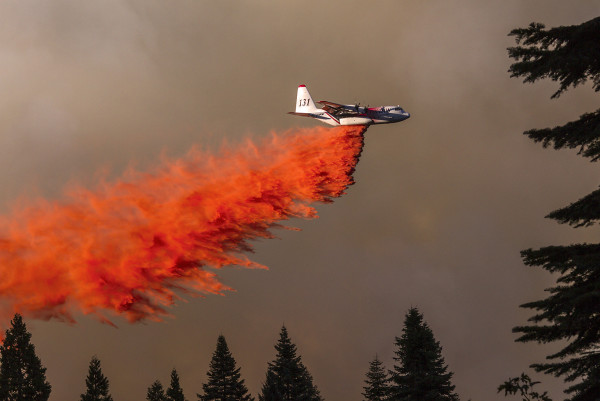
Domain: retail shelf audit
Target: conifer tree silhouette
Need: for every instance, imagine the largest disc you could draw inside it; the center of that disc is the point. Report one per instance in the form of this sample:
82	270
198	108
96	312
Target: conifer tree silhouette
22	376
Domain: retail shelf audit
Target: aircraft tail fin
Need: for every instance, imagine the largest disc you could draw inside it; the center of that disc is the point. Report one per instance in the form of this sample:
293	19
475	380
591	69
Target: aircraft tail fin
304	103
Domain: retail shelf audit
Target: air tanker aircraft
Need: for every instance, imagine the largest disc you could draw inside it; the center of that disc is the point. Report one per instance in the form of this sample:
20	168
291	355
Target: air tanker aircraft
345	114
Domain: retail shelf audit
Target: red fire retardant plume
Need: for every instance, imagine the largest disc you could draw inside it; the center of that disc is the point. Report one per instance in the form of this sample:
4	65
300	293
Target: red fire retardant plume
126	247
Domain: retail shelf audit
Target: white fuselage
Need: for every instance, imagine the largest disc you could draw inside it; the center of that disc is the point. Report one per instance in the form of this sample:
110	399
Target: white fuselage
345	114
363	115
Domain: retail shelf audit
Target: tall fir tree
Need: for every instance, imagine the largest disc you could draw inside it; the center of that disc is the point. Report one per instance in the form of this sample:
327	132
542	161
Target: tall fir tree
224	378
156	392
287	378
377	382
96	383
570	315
22	376
421	374
175	392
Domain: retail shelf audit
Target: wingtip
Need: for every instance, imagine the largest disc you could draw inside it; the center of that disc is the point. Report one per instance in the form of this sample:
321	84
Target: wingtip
301	86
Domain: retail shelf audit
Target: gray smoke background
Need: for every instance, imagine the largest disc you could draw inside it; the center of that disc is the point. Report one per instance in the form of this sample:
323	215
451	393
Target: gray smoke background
443	203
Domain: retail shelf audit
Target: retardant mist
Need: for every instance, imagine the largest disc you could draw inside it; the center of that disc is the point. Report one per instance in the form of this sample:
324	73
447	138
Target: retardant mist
126	247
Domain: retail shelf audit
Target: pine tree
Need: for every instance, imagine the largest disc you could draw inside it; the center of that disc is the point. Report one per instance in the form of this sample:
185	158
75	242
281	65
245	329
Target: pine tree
22	376
377	382
287	378
570	314
224	379
567	54
175	392
422	374
156	392
96	383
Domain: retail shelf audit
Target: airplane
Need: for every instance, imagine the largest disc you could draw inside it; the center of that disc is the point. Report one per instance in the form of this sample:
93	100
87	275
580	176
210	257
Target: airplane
345	114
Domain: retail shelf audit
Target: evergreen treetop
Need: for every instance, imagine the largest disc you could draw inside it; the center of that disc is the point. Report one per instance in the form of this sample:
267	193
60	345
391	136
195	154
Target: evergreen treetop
224	378
156	392
421	374
175	392
22	376
287	378
96	383
377	382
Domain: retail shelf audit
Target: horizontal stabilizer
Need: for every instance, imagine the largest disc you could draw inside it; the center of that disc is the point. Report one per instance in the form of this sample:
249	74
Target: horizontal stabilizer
300	114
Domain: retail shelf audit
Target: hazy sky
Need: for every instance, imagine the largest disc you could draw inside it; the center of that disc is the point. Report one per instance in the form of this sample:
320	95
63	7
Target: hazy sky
442	206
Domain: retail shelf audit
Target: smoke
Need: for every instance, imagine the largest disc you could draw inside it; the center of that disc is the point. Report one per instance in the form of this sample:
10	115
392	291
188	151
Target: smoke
128	247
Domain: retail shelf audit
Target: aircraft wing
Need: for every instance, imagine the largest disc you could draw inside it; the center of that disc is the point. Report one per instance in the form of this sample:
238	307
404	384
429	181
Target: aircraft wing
336	108
330	104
